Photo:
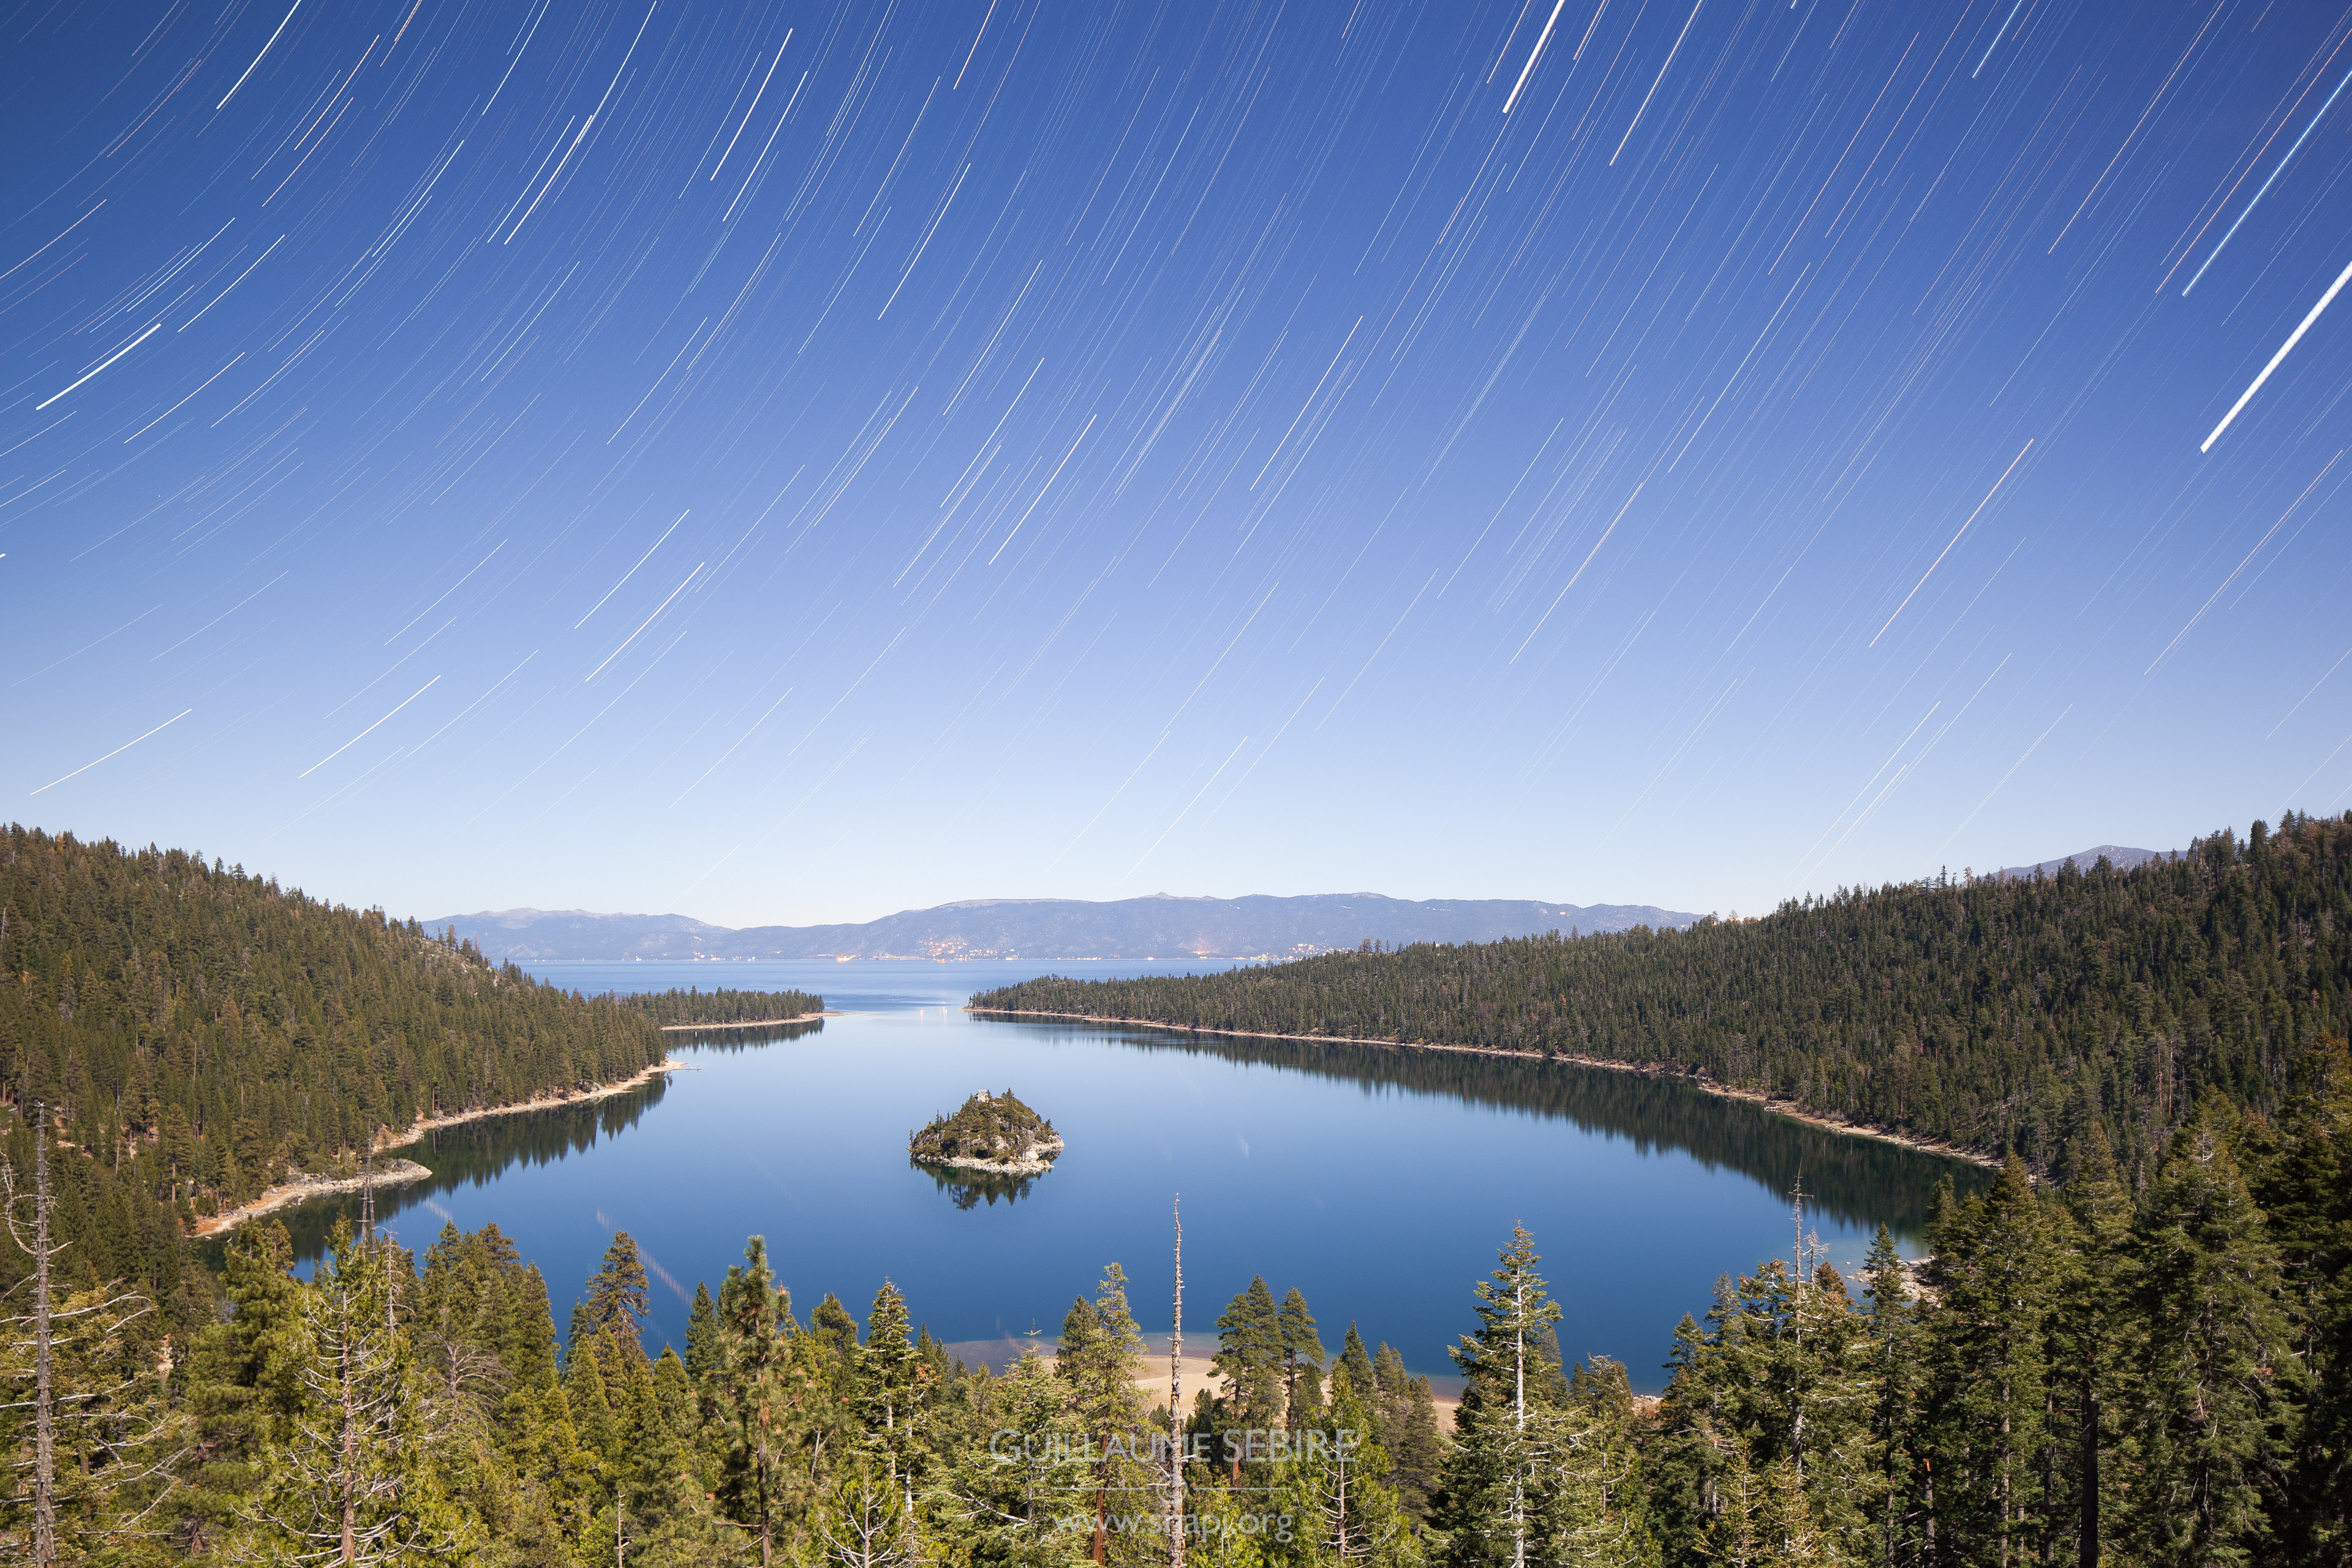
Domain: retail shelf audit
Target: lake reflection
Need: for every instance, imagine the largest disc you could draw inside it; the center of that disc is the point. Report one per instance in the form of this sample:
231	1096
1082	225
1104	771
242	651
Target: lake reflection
967	1189
1379	1181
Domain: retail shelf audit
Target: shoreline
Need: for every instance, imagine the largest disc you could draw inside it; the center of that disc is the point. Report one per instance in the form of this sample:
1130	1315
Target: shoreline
1645	1069
1037	1162
285	1193
753	1022
386	1139
398	1172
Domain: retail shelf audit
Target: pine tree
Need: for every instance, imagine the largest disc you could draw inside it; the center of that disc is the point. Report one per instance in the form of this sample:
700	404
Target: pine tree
1790	1534
1590	1500
1833	1455
110	1438
757	1396
1302	1360
590	1398
1009	1493
353	1483
1409	1435
1488	1472
2306	1190
1357	1362
1892	1353
1102	1356
1736	1528
556	1479
1700	1467
1250	1356
1998	1276
617	1303
887	1401
2096	1329
829	1350
702	1351
1342	1515
1395	1386
243	1381
2215	1402
668	1522
1784	1368
527	1340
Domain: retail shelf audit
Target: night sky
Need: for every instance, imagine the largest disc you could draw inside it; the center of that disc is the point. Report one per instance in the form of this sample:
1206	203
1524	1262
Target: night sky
795	462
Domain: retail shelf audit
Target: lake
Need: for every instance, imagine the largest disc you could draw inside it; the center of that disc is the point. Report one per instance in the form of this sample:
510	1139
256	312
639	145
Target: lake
1381	1183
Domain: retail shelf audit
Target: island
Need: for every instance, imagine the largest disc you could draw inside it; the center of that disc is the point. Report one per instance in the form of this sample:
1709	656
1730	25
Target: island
993	1133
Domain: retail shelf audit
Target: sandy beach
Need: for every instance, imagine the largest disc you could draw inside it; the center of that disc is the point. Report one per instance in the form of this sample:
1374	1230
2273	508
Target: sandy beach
1199	1372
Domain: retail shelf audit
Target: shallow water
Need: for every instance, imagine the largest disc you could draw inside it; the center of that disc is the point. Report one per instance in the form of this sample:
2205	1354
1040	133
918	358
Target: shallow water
1379	1183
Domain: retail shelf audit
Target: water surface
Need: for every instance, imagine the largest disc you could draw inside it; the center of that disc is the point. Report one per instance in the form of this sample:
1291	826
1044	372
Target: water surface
1381	1183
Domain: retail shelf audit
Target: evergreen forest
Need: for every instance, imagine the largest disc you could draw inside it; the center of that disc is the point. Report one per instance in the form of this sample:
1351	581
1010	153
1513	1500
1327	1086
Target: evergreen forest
197	1032
694	1005
2131	1346
1999	1014
2076	1374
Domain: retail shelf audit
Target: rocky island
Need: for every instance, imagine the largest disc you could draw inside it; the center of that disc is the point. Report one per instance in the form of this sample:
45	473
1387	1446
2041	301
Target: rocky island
993	1133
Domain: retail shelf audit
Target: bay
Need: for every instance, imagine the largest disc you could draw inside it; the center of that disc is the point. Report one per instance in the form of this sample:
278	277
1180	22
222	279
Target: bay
1379	1181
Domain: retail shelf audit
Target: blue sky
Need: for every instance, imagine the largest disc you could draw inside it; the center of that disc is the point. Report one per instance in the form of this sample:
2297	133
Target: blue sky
796	462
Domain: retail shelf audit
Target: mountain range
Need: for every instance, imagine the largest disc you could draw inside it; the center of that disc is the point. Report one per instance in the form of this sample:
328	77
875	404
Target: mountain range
1159	926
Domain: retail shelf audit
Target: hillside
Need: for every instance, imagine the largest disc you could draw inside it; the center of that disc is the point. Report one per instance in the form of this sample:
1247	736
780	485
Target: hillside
199	1029
1999	1014
1159	926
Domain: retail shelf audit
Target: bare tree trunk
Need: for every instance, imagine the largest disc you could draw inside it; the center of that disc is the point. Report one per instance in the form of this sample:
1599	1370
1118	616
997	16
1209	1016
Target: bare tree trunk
1176	1407
45	1449
1519	1419
350	1456
2005	1460
2088	1554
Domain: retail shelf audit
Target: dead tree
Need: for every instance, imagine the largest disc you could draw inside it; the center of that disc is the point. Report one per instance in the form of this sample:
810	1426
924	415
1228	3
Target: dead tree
1176	1403
346	1490
1351	1529
86	1383
867	1526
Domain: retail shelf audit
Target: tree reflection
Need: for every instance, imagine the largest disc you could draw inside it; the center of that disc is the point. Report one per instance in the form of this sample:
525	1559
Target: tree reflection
968	1189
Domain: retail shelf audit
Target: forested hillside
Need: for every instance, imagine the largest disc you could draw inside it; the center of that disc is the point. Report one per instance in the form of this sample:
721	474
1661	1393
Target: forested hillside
197	1029
2003	1016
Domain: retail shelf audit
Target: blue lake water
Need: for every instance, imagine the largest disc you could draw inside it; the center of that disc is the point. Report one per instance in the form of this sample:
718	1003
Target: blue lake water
1381	1183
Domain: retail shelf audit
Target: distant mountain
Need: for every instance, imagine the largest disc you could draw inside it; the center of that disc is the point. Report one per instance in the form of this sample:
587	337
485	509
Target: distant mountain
522	934
1159	926
2122	858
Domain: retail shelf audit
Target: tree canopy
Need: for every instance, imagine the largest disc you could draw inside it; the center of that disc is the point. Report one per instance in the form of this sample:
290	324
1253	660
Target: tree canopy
1999	1015
198	1031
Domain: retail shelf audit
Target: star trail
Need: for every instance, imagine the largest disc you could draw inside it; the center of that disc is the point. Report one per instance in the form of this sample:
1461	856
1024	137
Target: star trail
795	462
